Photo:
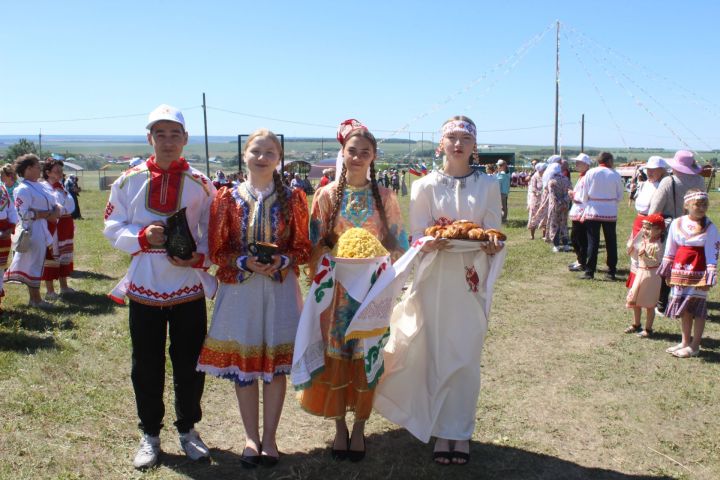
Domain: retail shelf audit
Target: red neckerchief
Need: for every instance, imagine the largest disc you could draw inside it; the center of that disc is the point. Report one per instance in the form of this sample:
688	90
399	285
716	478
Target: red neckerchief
582	174
164	188
58	186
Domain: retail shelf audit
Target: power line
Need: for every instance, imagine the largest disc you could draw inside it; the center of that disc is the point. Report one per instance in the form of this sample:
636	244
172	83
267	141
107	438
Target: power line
85	119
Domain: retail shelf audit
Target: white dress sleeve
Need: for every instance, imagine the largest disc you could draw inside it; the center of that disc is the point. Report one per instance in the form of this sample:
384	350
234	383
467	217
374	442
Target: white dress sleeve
123	234
420	210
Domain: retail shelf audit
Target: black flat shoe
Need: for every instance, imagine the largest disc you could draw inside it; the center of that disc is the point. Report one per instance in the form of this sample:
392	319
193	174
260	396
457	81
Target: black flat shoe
338	454
249	461
356	455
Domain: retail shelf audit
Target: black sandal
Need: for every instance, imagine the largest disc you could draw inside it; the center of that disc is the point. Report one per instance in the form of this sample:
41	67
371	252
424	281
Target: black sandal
646	333
440	455
461	456
633	329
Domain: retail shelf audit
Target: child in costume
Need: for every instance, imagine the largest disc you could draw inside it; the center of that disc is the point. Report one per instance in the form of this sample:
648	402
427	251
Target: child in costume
689	267
646	249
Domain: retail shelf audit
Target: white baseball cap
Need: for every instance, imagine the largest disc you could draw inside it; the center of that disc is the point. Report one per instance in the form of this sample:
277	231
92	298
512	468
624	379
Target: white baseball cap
657	162
501	162
584	158
165	112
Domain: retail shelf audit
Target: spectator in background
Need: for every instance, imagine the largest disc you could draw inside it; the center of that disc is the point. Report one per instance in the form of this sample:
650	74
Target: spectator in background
503	178
325	179
297	182
9	179
558	204
534	198
603	192
578	235
72	185
219	180
668	198
403	185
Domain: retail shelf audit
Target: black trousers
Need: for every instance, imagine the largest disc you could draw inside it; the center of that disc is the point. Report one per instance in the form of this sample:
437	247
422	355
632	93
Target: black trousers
579	239
148	333
593	238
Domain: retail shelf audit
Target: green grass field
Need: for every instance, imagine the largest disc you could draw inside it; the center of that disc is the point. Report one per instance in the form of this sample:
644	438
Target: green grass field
565	394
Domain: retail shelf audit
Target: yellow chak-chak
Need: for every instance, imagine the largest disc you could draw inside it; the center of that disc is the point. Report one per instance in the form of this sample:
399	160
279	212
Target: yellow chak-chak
358	243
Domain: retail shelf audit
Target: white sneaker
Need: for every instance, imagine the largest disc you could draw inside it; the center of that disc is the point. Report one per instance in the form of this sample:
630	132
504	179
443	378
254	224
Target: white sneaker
659	312
556	250
193	446
148	453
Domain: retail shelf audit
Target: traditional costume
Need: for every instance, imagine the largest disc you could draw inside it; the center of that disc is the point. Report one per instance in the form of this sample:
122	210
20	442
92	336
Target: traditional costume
8	220
603	192
432	358
534	193
59	257
690	265
27	267
255	317
558	204
644	290
328	370
578	235
163	296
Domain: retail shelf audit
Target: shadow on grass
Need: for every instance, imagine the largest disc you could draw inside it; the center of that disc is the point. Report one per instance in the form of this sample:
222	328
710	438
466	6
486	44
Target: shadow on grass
81	274
517	224
84	302
397	454
35	320
22	342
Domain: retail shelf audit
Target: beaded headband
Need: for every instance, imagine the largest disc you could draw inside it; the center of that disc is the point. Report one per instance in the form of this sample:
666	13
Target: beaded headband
695	196
459	126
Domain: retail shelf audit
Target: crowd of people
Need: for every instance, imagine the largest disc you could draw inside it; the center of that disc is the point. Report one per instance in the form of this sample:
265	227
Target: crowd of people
256	319
673	246
44	210
257	231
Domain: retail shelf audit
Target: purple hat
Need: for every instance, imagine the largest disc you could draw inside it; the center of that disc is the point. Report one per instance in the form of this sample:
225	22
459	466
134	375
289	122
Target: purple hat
684	162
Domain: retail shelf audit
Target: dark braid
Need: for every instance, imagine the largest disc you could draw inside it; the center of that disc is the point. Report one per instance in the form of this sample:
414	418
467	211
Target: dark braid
331	237
284	204
388	240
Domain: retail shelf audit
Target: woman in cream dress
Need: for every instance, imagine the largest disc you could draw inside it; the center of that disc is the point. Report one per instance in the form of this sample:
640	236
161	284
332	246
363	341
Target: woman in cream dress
432	360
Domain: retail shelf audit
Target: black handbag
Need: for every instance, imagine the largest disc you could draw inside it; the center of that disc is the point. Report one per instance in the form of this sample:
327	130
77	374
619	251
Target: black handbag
180	242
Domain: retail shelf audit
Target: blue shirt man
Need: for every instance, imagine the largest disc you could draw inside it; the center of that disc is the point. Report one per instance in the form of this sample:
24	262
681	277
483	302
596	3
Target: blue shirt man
504	178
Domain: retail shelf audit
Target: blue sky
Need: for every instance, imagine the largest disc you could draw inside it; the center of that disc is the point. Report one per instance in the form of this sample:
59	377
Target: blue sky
394	65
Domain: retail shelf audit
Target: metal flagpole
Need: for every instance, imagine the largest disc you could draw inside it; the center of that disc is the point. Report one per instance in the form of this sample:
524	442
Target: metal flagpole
582	133
557	83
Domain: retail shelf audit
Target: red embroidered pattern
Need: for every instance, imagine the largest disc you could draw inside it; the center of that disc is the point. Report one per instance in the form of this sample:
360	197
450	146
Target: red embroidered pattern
109	209
146	292
472	278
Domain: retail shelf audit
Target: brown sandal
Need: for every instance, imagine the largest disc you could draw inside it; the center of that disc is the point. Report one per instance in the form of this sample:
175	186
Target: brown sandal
633	329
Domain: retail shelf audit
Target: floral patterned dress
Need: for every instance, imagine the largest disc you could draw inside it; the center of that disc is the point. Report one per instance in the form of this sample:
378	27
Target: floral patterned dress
558	209
342	385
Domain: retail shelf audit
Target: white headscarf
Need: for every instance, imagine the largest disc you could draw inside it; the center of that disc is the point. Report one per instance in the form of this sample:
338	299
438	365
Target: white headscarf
553	170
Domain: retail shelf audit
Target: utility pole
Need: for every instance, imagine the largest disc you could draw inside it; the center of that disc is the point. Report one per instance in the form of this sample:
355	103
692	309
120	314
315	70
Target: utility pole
207	150
557	83
40	142
582	133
